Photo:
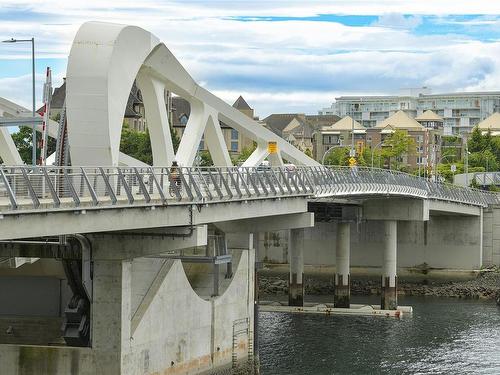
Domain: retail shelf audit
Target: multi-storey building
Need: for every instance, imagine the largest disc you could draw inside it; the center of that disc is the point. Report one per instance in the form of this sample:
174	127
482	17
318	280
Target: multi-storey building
299	129
426	134
460	111
340	134
179	110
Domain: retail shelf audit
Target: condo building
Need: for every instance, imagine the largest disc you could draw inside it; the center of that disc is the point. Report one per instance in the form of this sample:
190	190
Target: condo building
460	112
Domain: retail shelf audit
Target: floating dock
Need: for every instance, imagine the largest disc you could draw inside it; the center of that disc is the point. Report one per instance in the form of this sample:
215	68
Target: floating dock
328	309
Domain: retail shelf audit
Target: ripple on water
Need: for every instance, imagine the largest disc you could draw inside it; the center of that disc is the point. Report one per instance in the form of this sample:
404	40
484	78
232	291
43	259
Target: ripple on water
444	336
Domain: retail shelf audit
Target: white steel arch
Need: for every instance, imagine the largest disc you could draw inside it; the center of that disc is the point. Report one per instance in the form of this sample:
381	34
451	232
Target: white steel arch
105	59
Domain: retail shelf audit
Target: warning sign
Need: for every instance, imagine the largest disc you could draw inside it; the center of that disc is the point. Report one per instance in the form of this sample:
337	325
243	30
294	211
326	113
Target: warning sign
352	162
272	147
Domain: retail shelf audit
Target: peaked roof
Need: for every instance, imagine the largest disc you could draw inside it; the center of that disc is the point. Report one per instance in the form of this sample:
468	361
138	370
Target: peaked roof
492	122
279	121
429	116
344	124
240	103
400	120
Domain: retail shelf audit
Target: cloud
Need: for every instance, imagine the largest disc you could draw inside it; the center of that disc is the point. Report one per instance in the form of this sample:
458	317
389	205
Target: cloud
280	65
399	21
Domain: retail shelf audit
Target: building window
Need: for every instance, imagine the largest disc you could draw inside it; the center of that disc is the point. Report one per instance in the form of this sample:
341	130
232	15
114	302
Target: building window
184	119
234	135
234	146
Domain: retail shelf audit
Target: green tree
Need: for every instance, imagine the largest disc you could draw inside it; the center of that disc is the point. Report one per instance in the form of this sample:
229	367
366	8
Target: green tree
136	144
361	160
485	159
245	154
308	152
398	145
338	156
176	140
206	159
476	141
22	140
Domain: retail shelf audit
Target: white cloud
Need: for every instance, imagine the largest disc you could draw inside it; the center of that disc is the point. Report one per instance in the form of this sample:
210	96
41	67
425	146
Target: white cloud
292	65
399	21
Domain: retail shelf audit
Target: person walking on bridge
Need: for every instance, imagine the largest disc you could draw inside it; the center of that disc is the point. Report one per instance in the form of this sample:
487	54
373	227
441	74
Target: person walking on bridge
175	179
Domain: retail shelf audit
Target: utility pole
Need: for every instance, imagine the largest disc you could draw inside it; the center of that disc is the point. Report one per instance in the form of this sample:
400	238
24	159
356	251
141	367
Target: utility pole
32	41
352	152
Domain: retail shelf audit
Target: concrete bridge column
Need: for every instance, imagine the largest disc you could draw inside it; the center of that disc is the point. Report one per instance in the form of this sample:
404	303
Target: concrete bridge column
342	294
296	254
389	278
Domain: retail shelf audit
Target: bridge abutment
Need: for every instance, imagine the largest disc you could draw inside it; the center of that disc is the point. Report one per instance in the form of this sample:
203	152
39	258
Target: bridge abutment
342	292
296	253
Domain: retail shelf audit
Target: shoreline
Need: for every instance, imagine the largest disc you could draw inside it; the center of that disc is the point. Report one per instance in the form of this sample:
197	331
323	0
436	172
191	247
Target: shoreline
485	286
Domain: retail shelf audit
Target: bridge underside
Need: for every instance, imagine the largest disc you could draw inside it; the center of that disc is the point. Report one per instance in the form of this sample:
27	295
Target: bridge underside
82	221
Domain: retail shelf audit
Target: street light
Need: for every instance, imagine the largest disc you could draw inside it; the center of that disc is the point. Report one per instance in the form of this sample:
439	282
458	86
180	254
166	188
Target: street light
327	151
373	149
32	40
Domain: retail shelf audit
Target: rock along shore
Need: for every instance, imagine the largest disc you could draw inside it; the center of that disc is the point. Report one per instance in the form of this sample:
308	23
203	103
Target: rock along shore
485	286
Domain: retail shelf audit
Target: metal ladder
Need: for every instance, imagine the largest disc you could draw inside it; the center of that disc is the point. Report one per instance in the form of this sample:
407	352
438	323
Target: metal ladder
242	327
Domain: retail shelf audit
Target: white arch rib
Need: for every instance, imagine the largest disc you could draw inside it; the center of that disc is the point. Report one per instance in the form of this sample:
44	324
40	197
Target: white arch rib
105	59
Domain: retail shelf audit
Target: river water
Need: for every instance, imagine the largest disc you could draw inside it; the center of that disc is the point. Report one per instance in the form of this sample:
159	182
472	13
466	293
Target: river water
444	336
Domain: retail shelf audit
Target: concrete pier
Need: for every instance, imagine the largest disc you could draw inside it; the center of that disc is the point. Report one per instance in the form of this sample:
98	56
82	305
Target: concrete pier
342	275
389	299
296	253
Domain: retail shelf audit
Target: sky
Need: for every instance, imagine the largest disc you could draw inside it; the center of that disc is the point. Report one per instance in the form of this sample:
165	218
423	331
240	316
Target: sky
282	56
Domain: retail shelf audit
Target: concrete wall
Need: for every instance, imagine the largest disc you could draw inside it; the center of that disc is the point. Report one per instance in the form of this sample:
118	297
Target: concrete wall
450	242
32	302
147	319
491	236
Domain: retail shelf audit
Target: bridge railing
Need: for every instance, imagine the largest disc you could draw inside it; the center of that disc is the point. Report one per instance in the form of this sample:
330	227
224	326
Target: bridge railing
27	188
346	181
24	187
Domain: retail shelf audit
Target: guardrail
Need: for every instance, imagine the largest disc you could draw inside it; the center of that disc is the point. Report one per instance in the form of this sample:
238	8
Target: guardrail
24	188
347	181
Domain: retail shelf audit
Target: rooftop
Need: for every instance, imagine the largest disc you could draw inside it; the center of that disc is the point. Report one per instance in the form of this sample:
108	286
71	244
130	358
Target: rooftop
346	123
490	123
429	116
400	120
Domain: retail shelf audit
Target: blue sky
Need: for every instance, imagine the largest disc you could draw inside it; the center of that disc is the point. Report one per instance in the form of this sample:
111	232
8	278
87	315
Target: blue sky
282	56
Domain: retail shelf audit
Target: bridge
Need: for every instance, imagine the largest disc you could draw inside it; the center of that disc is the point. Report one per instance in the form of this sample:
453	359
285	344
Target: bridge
151	269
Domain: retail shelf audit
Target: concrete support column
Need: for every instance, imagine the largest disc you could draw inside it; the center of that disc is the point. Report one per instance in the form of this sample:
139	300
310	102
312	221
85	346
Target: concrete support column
296	254
342	295
110	313
389	278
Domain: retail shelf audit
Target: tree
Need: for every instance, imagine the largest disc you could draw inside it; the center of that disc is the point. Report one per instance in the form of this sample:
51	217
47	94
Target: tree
22	140
308	152
485	159
398	145
245	154
338	156
476	141
176	140
136	144
206	159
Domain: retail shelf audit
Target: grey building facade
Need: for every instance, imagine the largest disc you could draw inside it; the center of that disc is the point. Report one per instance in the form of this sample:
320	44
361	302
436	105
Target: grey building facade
461	111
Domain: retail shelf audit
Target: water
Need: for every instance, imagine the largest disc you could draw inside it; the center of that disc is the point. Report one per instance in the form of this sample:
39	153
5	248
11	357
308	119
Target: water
444	336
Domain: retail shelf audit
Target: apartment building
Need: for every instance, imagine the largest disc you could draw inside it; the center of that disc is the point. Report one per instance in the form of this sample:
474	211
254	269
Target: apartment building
460	112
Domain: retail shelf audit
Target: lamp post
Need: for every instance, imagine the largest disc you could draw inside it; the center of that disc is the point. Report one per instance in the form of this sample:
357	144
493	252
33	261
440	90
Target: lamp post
352	153
327	151
373	149
32	41
466	159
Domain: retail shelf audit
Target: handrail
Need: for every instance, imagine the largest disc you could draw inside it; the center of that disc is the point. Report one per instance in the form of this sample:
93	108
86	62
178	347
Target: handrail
27	189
